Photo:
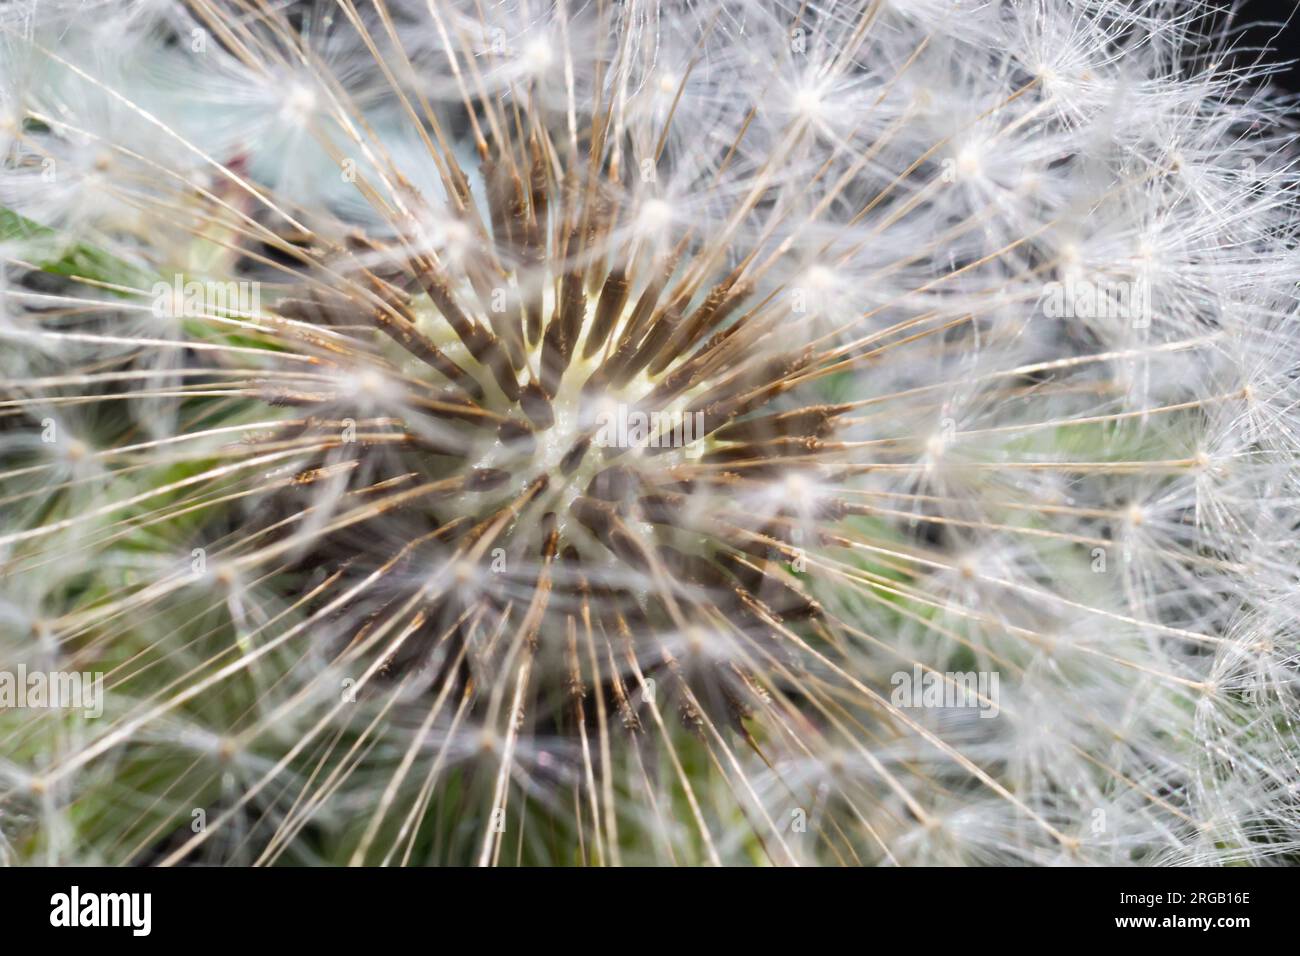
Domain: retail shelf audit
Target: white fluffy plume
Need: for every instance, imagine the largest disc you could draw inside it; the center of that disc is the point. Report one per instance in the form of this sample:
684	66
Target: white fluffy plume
668	431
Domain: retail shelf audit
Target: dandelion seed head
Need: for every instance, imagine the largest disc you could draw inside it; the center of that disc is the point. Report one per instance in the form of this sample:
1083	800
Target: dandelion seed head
361	542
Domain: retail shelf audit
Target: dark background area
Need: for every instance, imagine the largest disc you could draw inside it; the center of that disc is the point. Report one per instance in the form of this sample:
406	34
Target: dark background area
1278	29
